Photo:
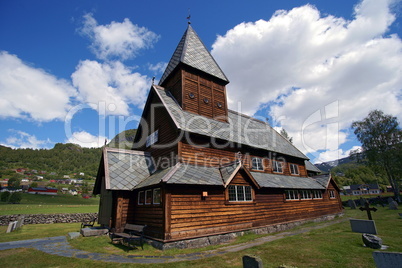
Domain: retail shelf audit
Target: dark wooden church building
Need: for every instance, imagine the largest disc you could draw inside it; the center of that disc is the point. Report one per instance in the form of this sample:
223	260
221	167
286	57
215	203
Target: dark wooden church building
198	169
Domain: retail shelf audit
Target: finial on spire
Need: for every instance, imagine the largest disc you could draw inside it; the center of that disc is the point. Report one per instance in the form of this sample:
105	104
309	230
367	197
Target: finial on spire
153	80
188	17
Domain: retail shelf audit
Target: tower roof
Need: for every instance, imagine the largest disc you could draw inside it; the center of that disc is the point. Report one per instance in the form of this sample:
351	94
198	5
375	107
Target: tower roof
192	52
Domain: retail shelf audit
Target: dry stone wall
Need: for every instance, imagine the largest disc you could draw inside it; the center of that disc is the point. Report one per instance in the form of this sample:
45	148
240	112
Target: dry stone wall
48	218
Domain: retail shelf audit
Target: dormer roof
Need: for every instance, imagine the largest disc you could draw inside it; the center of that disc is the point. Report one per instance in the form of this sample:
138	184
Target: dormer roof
192	52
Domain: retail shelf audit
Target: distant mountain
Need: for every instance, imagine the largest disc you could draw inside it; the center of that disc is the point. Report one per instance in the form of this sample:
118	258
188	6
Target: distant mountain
327	166
123	140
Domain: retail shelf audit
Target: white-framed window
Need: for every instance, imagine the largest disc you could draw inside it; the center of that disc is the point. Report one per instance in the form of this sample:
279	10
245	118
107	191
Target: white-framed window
141	197
317	194
148	197
294	169
257	163
305	194
292	195
332	194
277	166
240	193
152	138
157	196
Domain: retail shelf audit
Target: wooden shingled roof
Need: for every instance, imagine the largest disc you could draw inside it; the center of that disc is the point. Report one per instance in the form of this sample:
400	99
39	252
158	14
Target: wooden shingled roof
192	52
240	128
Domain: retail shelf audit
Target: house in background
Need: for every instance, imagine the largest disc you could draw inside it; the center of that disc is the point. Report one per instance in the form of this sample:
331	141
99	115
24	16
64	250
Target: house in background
42	190
198	169
362	189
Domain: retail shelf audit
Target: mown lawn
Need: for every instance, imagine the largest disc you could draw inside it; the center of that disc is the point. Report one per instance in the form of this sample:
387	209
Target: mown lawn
49	204
333	246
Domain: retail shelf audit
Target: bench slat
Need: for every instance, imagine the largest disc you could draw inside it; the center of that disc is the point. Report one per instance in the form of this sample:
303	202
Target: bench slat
128	237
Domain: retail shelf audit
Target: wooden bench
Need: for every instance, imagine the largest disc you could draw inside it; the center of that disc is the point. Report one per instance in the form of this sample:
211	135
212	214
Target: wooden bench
89	223
133	233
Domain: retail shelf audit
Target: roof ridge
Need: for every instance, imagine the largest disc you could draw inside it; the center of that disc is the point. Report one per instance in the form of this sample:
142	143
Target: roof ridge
192	51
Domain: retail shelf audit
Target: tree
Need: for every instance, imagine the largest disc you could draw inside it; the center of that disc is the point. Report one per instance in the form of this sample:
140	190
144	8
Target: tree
5	196
15	198
381	139
14	181
285	134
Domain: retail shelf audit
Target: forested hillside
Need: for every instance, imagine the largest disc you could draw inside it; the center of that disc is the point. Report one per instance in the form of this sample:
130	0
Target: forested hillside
357	173
63	158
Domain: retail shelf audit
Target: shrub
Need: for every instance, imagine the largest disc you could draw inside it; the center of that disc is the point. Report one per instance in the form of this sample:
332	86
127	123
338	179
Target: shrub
15	198
5	196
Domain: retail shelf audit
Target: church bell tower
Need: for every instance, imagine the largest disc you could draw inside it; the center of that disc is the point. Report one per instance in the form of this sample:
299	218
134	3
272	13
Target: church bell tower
195	79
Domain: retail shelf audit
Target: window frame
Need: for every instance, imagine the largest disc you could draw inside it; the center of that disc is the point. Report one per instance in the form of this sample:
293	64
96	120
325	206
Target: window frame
152	138
146	195
295	168
259	163
332	194
317	193
154	195
305	194
245	190
292	195
139	198
276	166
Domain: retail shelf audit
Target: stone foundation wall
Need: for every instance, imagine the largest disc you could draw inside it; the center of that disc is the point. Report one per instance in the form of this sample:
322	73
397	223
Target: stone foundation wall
49	218
225	238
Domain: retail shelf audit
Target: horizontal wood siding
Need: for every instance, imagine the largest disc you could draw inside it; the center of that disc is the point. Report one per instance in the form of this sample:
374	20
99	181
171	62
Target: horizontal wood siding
205	156
192	216
150	215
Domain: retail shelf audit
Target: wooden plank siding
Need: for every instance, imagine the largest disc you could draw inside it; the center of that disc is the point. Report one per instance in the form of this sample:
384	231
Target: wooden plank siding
164	152
174	85
213	157
151	215
208	98
193	216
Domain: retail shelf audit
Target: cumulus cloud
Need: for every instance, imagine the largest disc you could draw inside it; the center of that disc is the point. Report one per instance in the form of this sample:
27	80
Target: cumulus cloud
303	65
20	139
121	40
158	68
85	139
111	85
31	93
330	155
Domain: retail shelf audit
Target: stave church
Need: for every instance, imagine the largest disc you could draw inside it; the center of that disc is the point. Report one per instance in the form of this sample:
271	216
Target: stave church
199	172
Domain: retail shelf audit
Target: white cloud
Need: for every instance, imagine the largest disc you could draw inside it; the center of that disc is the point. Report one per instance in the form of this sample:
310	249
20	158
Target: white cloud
85	139
120	40
28	92
303	64
330	155
158	68
22	139
111	84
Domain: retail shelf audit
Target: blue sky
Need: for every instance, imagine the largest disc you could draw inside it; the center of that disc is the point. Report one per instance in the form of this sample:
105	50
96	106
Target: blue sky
80	71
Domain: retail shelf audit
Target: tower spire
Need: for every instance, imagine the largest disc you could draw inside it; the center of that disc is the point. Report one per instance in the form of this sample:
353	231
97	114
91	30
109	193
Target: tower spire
189	17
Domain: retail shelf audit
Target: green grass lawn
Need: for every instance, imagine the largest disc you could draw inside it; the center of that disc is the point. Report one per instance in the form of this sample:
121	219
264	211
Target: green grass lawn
332	246
49	204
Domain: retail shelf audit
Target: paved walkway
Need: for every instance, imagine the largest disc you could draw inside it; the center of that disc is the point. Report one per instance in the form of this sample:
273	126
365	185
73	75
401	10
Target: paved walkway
59	246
